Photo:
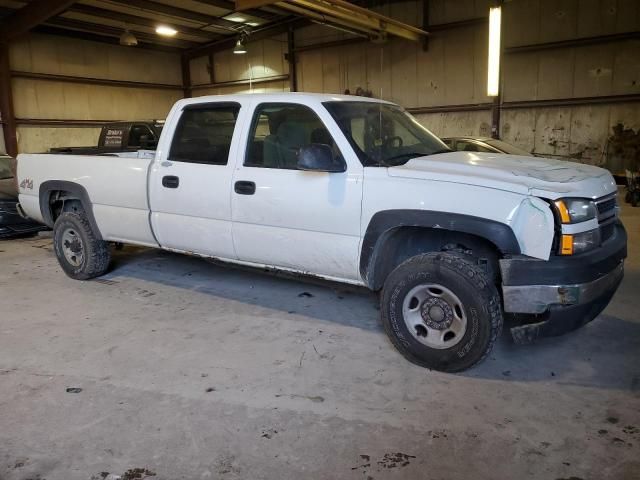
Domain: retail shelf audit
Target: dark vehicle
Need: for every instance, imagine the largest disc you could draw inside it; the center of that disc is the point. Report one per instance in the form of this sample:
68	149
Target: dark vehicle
483	144
12	224
121	137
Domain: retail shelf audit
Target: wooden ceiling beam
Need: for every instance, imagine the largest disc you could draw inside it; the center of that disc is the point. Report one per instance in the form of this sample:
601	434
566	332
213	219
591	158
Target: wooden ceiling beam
231	6
177	12
116	32
93	37
262	33
136	20
30	16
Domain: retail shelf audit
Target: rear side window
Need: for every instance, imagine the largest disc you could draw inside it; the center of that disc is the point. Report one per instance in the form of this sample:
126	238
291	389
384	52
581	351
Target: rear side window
204	134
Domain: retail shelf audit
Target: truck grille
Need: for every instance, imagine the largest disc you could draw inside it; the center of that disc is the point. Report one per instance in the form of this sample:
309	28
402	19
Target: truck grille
607	215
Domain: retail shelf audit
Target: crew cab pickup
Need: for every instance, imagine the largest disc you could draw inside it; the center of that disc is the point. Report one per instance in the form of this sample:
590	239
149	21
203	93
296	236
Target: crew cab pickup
120	137
353	190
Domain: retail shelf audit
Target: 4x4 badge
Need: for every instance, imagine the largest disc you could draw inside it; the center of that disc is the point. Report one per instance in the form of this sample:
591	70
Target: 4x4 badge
26	184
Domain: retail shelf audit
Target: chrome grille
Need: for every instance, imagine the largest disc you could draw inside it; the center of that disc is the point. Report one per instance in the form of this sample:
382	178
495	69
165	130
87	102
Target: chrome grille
607	215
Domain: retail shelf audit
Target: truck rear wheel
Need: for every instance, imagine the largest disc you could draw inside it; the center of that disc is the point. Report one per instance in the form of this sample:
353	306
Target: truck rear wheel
81	255
441	311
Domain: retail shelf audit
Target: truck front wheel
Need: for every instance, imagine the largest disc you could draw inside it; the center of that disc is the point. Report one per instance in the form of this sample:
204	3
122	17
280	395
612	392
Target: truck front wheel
81	255
441	311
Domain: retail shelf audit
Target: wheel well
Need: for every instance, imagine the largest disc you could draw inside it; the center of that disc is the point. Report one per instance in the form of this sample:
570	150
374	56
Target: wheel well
63	201
401	243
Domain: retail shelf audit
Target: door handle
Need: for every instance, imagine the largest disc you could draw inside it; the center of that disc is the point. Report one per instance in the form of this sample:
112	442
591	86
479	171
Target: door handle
243	187
170	181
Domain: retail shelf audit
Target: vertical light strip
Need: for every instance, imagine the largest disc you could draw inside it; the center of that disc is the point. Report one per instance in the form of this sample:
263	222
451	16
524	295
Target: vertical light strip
493	77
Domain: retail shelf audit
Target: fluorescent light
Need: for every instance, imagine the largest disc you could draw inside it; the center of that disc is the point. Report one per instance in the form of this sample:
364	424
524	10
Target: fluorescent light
166	31
493	77
236	18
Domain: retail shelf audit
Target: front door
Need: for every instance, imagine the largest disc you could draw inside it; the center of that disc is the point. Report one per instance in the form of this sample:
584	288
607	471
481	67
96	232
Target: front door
190	186
285	217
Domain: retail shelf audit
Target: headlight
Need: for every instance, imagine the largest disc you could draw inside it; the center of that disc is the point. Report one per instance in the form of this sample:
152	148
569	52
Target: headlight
580	242
575	210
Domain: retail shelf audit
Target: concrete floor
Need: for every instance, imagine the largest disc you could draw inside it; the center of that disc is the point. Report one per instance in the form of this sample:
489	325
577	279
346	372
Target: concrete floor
193	371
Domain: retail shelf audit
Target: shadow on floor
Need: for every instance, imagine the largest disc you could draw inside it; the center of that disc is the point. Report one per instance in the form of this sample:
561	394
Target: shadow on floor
315	298
603	354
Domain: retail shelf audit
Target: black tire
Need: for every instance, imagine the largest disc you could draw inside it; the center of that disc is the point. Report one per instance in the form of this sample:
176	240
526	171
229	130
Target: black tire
480	304
95	255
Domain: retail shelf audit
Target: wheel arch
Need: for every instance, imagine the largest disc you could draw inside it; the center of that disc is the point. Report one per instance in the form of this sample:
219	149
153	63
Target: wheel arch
392	236
53	191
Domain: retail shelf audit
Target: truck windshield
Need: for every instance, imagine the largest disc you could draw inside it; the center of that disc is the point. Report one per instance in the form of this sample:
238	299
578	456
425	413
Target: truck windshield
382	134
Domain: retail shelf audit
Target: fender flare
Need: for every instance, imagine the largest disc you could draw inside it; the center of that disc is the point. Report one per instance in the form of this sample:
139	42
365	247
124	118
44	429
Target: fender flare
77	190
387	221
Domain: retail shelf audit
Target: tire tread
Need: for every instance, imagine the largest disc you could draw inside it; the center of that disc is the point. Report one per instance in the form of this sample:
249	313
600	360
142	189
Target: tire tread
471	272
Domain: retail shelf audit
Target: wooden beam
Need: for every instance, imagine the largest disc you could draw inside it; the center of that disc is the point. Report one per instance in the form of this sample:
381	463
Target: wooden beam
185	65
136	20
291	58
6	103
92	37
55	122
231	6
93	81
358	17
246	81
332	44
575	42
178	12
267	31
242	5
116	32
30	16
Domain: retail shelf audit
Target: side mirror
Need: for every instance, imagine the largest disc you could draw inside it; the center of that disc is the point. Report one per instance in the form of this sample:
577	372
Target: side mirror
318	157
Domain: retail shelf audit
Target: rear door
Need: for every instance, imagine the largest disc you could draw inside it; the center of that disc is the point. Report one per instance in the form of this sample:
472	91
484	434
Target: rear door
190	184
285	217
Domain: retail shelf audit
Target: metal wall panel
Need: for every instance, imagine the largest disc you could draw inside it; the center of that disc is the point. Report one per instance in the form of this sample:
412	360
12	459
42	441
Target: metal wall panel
60	100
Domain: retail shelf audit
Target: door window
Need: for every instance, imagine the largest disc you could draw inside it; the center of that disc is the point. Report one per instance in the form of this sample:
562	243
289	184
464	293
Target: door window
279	131
204	134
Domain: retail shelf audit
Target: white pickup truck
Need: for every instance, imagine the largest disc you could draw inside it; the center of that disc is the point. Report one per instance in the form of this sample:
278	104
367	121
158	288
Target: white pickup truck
353	190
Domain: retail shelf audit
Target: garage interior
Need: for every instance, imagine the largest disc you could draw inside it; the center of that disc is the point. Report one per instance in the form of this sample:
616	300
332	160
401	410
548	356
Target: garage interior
173	367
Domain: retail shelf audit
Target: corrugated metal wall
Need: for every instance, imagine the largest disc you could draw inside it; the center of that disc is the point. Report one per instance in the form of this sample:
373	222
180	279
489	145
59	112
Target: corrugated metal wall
46	99
453	71
264	59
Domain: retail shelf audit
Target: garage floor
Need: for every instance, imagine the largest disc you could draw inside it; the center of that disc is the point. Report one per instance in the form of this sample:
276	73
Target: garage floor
189	370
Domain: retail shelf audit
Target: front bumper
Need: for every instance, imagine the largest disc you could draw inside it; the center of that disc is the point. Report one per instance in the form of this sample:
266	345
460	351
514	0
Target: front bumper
563	293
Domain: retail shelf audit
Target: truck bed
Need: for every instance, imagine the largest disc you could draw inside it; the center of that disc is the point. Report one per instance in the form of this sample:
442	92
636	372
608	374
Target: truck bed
118	187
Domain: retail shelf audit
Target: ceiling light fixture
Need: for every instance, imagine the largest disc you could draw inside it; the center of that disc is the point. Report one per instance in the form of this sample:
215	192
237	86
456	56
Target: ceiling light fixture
235	18
240	47
166	31
128	39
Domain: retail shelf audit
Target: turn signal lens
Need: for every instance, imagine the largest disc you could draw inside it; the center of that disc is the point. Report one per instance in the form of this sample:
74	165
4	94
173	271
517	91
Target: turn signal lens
563	211
566	248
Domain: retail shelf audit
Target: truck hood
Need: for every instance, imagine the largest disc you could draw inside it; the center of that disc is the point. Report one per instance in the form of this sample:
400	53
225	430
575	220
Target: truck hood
540	177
